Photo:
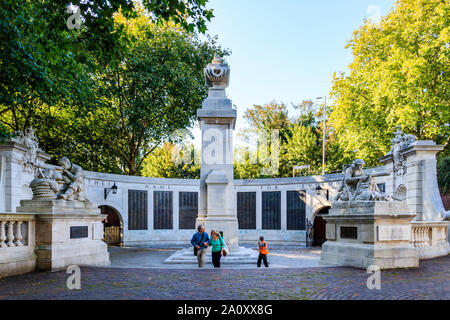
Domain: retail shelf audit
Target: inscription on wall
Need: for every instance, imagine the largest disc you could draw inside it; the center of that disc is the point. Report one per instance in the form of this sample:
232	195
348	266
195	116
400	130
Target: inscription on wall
394	233
349	232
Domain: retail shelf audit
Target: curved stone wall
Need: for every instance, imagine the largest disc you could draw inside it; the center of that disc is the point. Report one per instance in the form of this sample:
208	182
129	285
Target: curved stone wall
14	180
314	202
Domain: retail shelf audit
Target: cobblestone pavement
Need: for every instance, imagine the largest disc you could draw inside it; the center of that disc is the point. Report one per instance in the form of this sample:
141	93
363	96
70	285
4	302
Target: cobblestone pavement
430	281
279	257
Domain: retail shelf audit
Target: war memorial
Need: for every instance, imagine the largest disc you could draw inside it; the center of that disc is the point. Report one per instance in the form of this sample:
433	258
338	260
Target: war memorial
51	216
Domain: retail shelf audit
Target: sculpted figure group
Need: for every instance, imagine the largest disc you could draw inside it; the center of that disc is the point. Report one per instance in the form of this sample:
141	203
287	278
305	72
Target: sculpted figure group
359	186
398	143
52	183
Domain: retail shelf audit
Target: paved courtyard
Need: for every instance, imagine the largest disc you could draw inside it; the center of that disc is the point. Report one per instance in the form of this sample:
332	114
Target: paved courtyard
281	257
430	281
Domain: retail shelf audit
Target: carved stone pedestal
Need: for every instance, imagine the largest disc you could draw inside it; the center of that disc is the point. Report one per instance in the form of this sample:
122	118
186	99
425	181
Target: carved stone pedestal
369	233
67	233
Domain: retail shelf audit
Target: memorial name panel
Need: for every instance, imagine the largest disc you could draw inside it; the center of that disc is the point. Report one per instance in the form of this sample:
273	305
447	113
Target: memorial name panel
296	210
137	210
271	210
246	210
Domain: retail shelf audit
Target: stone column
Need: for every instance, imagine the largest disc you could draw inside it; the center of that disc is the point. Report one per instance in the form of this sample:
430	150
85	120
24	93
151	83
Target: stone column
217	121
176	210
12	154
259	210
10	234
17	164
283	210
151	222
2	234
18	237
423	195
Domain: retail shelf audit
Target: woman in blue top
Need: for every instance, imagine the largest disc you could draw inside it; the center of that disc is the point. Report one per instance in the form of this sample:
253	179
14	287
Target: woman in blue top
216	243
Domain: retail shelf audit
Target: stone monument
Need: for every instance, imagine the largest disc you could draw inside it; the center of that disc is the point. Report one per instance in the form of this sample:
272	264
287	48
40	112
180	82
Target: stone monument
217	119
69	229
430	230
366	226
412	167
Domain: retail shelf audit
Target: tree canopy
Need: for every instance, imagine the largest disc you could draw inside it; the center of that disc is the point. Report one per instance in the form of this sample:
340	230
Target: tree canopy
399	79
42	60
299	141
172	161
149	84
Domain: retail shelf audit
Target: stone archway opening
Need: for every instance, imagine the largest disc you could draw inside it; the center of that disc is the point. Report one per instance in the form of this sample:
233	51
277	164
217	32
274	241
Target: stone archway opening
113	226
319	226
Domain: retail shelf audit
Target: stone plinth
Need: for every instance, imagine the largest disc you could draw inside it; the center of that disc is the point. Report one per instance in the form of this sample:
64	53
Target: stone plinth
241	256
67	233
423	197
16	172
369	233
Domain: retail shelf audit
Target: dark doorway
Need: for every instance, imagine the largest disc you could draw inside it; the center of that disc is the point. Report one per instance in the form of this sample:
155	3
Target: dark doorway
113	226
319	227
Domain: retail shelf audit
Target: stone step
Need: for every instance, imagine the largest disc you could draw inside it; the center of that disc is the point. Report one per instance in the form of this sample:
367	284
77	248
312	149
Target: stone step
241	256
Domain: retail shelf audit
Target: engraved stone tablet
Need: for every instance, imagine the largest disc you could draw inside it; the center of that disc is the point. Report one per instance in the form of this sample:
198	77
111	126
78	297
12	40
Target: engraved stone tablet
394	233
78	232
349	232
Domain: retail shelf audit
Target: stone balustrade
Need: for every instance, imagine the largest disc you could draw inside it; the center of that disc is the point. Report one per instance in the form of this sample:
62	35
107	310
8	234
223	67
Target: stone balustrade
430	238
12	228
17	243
421	236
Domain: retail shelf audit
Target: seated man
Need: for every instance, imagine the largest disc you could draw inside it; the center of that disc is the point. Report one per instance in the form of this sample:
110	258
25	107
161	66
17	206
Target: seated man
353	177
357	185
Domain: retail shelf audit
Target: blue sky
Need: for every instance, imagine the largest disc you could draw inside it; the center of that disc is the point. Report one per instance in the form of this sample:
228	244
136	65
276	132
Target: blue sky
286	50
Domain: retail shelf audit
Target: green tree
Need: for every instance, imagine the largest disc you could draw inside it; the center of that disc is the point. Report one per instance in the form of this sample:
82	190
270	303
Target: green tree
45	65
301	148
399	78
139	103
245	164
169	161
443	173
268	117
300	141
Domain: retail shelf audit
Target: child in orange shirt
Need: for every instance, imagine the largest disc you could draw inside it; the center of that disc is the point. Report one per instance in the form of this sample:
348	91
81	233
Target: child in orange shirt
263	251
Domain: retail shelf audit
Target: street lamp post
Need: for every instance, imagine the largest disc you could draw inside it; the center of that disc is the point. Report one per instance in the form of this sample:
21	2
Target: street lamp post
323	138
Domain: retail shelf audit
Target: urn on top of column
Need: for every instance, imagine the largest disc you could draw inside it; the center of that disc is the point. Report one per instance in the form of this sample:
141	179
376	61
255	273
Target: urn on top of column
217	74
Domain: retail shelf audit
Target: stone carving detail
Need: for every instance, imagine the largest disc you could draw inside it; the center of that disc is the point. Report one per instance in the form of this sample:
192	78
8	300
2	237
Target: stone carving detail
400	142
73	176
47	184
217	74
359	186
28	139
52	184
